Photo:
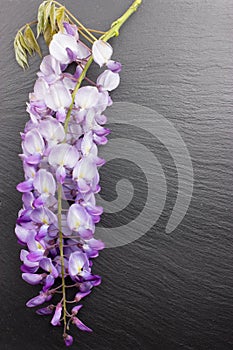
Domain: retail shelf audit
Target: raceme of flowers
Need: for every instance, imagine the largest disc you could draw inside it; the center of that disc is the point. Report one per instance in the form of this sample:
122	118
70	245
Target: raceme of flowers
60	160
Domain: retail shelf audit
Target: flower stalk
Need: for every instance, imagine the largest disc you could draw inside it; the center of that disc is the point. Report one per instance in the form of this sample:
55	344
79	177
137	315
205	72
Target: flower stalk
60	158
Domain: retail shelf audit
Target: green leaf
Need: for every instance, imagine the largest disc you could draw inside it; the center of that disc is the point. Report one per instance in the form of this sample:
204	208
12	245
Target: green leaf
31	41
60	17
52	17
40	18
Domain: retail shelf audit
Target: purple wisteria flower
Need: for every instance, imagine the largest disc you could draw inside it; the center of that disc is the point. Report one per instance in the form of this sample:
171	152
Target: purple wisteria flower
60	160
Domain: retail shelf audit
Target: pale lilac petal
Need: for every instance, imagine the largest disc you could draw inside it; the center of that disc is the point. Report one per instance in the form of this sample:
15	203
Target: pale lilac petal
43	216
32	278
34	159
27	199
22	233
114	66
102	52
35	256
78	262
61	174
49	282
33	245
33	143
78	72
85	169
108	80
29	171
83	187
83	51
100	140
85	233
103	102
52	130
61	114
40	89
63	155
42	232
95	244
50	69
44	182
58	96
101	119
59	44
71	29
77	217
46	264
41	200
69	81
87	144
25	186
24	258
87	97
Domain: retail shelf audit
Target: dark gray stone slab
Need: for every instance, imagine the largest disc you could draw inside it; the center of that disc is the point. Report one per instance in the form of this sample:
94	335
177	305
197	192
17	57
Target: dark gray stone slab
165	292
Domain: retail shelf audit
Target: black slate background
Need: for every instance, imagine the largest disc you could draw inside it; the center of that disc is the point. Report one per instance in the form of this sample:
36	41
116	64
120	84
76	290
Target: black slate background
163	292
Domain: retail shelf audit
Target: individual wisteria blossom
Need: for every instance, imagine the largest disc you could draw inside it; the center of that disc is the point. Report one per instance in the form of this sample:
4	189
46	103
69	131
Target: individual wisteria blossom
61	163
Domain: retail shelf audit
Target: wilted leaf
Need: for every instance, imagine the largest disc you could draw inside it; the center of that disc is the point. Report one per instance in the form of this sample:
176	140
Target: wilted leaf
47	9
60	17
24	44
40	18
48	34
52	17
31	40
20	53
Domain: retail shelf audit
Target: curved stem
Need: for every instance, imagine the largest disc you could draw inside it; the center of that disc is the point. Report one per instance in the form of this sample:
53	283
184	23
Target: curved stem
76	20
59	200
96	31
85	36
27	24
115	27
113	31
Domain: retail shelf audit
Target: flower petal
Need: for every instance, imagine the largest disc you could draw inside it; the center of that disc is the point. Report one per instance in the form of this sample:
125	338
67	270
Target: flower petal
102	52
108	80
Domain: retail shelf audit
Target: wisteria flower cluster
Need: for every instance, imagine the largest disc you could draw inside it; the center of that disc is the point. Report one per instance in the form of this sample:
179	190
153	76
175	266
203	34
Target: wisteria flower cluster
60	160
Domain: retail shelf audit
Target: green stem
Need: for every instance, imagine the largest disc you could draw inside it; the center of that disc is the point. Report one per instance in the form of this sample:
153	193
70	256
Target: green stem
115	27
59	216
81	78
113	31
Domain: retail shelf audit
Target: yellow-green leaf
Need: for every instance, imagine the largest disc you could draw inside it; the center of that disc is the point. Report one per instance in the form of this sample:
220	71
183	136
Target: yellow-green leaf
48	34
52	18
31	40
60	17
47	9
20	54
24	44
40	18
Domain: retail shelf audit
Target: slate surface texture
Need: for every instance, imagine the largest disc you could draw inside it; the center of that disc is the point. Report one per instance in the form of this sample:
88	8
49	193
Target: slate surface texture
162	291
